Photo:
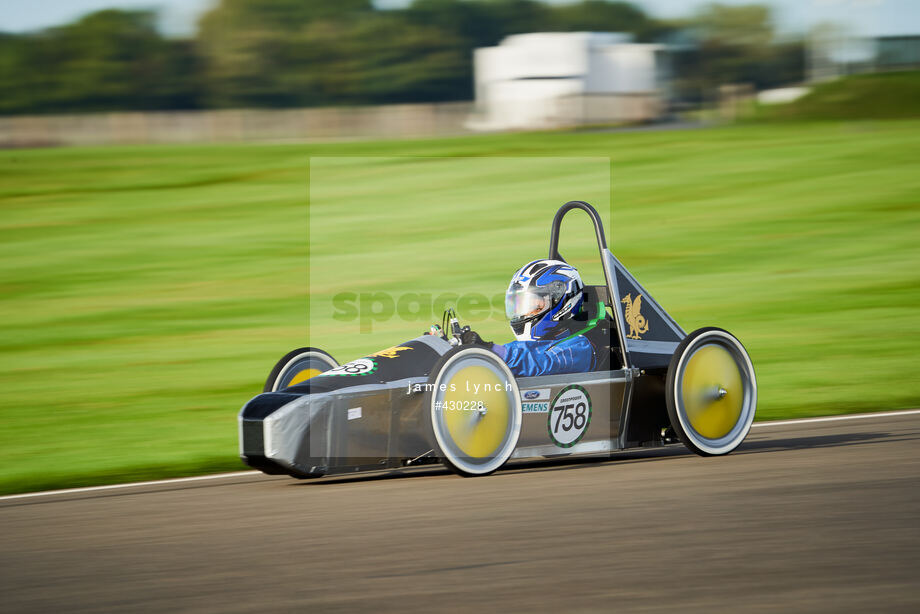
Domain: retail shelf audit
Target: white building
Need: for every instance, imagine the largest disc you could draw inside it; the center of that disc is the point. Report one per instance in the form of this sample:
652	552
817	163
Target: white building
553	79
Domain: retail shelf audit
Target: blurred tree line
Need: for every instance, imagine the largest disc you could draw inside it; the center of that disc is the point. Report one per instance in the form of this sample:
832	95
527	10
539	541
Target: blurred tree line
288	53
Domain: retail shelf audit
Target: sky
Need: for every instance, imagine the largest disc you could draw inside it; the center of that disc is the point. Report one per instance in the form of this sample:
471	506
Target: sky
178	17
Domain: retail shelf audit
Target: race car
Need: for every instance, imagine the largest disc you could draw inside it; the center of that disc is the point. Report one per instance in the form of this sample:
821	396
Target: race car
435	399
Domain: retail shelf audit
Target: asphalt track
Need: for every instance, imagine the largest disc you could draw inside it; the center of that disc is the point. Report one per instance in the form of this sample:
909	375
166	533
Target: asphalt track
805	516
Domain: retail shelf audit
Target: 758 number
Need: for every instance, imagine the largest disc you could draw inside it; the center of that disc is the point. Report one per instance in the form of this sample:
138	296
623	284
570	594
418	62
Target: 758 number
573	415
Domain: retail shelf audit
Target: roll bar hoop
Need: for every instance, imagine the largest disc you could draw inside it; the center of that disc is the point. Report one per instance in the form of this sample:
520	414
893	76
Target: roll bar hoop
557	223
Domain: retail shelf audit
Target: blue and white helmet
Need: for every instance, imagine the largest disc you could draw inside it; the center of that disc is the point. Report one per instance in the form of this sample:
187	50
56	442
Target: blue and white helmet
541	294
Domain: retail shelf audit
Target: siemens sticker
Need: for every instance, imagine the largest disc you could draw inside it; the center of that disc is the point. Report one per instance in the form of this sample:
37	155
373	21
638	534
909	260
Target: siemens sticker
535	407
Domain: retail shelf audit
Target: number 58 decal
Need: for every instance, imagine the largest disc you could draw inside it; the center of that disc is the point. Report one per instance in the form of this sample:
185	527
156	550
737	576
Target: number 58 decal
569	416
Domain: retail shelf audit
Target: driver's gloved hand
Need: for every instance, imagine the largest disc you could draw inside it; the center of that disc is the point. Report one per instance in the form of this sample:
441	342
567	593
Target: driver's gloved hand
470	337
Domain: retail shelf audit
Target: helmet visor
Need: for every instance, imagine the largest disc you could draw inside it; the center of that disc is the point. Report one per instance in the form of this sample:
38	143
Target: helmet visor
521	304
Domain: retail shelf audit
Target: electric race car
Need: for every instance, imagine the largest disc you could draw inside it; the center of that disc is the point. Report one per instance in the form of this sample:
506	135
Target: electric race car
435	399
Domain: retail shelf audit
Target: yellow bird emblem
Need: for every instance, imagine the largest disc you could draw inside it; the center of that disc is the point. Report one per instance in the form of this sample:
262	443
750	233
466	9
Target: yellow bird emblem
392	352
637	322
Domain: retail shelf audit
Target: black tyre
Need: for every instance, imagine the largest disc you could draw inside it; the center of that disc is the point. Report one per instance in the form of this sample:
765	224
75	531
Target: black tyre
474	410
298	366
711	392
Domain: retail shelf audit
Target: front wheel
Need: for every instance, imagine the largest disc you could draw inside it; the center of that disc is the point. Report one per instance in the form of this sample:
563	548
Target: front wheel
298	366
711	392
475	410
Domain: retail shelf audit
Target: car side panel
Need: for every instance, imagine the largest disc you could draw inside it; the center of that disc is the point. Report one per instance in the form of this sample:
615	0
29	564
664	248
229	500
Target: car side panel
607	392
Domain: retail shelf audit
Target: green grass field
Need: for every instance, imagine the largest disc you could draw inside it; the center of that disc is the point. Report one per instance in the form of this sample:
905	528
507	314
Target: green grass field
885	95
147	291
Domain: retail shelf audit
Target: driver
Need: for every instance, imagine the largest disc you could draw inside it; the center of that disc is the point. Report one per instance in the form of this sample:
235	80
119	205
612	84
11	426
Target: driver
544	304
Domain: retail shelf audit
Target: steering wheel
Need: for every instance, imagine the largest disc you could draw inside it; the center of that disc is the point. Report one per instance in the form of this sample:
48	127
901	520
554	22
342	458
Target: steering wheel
450	329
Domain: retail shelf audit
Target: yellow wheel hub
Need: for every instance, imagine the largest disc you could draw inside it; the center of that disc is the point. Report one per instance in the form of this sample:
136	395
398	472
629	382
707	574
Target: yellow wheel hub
477	433
712	391
304	376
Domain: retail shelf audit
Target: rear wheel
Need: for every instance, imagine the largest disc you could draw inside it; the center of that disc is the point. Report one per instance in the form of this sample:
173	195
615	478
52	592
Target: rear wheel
298	366
711	392
475	410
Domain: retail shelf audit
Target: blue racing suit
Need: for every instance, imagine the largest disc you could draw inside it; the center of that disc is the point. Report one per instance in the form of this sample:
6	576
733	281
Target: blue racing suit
527	358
